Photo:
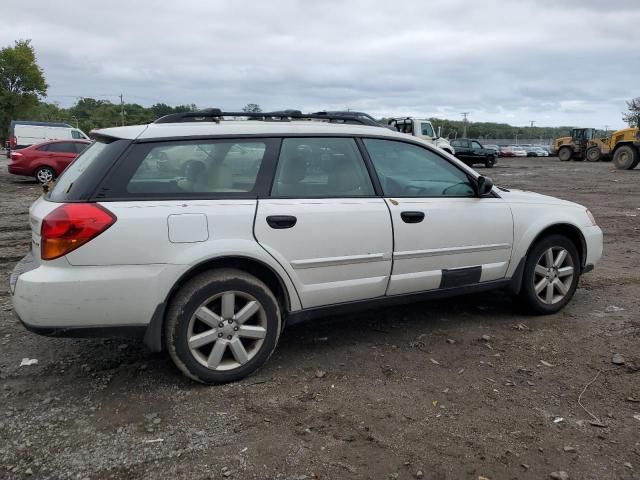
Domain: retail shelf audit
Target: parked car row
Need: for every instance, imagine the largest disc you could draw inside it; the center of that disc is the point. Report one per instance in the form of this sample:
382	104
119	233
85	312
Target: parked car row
523	151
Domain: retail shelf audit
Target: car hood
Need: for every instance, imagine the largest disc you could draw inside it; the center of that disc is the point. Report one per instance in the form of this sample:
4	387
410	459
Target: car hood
522	196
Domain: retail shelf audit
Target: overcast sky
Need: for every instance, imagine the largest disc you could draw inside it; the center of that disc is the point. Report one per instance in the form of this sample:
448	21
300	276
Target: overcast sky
558	62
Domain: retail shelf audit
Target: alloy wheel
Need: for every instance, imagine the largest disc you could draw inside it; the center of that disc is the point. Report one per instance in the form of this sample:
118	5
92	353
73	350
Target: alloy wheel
44	175
553	275
227	330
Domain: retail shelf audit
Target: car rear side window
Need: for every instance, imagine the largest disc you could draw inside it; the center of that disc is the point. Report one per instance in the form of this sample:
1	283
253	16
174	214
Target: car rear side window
321	167
62	147
200	169
80	147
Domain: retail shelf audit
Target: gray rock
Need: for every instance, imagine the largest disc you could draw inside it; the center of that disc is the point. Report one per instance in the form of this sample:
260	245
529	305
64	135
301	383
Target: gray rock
617	359
485	338
561	475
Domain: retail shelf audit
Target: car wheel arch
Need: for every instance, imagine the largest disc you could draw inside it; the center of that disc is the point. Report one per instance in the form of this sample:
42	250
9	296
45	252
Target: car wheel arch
567	230
153	338
43	165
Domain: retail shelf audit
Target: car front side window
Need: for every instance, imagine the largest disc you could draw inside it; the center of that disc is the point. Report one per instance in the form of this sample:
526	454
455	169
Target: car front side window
426	129
407	170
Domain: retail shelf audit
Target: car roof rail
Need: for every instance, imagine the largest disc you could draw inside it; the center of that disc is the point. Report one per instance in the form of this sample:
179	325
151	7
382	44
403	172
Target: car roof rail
215	115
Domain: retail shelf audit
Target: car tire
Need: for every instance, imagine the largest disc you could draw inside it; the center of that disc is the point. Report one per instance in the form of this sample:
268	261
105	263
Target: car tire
551	273
593	154
626	158
44	175
489	162
205	335
565	154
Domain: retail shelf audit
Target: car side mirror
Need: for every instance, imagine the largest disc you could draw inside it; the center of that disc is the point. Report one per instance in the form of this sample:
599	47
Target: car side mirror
484	185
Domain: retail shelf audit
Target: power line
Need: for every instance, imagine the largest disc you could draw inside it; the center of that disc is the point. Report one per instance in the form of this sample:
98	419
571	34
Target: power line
532	123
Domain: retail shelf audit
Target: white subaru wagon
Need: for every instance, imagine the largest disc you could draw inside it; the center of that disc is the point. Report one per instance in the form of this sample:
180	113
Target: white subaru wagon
205	236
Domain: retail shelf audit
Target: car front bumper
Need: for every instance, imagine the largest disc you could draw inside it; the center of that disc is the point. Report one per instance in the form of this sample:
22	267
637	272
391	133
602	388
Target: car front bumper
593	242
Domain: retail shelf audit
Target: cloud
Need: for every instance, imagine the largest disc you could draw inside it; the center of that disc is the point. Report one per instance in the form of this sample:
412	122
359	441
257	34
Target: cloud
571	62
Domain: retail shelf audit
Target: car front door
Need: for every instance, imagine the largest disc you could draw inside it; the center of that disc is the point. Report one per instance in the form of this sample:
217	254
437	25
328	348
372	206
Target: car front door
477	151
425	131
463	152
444	234
324	223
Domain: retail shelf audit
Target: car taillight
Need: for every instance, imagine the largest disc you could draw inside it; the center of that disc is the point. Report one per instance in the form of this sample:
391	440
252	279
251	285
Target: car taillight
71	225
12	141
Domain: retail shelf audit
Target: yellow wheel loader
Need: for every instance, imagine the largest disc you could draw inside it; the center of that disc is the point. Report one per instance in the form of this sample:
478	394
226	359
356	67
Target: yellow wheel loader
623	146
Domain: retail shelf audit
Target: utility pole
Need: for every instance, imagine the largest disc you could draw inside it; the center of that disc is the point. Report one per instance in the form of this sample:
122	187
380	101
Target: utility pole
122	109
532	122
464	119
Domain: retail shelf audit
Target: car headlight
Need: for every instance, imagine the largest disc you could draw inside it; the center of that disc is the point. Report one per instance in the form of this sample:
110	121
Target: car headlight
591	217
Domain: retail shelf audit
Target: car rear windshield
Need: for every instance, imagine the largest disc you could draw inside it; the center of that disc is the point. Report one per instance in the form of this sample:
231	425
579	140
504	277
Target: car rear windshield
80	179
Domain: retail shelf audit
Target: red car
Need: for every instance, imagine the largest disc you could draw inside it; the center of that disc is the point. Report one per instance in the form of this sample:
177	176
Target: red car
506	152
45	161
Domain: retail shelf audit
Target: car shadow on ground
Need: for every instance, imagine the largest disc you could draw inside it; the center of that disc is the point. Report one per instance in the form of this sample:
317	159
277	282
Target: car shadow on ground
126	360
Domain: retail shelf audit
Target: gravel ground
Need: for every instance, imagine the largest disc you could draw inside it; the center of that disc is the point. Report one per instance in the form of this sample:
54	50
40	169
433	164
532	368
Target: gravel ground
454	389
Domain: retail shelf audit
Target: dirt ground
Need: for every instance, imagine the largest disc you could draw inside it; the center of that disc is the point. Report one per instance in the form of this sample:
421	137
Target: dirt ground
381	395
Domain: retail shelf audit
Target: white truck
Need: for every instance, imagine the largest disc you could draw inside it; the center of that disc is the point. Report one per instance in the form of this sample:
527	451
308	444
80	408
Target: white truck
419	127
23	133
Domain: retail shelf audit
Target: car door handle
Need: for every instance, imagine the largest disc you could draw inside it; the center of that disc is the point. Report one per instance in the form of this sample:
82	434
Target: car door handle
281	221
412	217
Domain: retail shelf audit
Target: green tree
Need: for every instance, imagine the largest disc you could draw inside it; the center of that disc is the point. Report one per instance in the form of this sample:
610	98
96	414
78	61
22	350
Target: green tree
252	108
632	116
21	83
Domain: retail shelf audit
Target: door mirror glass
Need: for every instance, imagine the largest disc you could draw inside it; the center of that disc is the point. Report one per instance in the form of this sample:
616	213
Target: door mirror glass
485	185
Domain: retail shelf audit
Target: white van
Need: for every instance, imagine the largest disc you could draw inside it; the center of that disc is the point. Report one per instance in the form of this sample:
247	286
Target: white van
25	133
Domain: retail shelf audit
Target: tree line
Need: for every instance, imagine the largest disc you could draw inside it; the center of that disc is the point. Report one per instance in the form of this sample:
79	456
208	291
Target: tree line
23	88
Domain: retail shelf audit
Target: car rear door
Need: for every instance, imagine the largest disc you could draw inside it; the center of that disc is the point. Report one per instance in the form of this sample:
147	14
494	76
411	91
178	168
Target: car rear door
324	224
444	235
62	154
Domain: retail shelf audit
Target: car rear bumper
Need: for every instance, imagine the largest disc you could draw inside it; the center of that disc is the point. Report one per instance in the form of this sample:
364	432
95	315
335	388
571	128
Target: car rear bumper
54	298
18	170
